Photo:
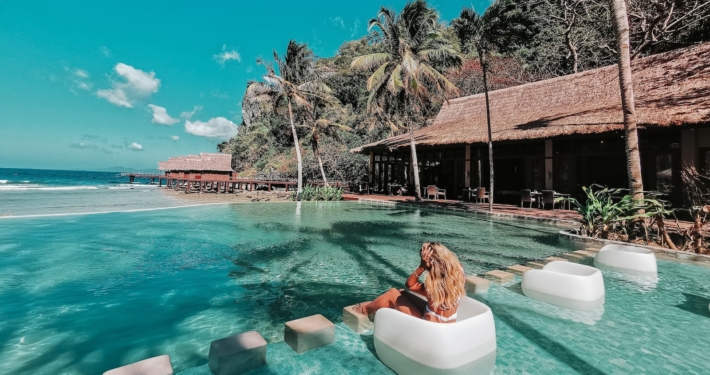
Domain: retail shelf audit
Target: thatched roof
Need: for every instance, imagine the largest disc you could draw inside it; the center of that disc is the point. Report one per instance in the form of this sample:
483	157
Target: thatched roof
671	89
204	162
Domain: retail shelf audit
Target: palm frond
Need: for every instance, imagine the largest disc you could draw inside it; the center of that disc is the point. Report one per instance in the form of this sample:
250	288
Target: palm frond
395	83
371	61
379	76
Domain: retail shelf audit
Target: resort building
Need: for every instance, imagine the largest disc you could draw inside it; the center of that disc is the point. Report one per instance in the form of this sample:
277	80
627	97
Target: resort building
202	166
562	134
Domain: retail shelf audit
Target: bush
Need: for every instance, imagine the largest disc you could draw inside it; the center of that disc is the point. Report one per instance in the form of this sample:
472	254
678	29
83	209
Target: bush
324	193
608	213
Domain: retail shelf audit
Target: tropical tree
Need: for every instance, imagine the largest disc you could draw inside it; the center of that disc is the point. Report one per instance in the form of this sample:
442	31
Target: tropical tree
497	29
404	78
633	157
317	128
293	85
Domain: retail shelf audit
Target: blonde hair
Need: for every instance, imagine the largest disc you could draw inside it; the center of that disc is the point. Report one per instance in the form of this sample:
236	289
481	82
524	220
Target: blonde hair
445	279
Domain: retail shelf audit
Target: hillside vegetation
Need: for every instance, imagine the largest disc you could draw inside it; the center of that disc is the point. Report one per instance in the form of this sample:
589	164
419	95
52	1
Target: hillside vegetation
336	112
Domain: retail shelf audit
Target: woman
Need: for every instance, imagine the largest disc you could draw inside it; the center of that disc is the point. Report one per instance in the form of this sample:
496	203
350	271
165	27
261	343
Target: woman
443	287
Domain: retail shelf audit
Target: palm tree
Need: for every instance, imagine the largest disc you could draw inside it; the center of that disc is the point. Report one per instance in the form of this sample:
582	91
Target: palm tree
320	125
499	27
292	86
404	77
633	158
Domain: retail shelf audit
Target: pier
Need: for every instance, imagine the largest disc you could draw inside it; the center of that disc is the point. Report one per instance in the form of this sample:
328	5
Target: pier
200	185
132	177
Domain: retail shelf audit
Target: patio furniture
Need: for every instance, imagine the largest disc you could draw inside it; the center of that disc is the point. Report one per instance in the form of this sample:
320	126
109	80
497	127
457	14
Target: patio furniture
565	203
481	195
627	259
435	191
468	194
566	284
395	187
526	197
548	197
410	345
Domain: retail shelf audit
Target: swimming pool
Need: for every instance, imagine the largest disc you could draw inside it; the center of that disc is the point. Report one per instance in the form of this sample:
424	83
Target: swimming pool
83	294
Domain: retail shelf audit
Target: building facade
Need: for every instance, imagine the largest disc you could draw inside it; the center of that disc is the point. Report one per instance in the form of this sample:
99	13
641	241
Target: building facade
563	134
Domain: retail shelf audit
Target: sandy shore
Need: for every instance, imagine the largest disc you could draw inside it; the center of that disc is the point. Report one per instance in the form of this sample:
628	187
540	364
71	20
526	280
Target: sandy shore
240	197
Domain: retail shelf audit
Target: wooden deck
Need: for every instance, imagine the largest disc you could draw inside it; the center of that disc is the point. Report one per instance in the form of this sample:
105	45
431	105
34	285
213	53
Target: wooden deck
224	186
555	216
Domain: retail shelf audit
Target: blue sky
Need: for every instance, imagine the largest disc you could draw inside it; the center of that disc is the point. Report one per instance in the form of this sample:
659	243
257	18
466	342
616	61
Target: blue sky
97	84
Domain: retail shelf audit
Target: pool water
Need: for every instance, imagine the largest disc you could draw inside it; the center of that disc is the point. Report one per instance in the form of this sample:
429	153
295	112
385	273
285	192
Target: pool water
87	293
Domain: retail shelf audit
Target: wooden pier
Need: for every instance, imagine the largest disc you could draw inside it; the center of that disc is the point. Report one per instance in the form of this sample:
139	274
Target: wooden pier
223	186
132	177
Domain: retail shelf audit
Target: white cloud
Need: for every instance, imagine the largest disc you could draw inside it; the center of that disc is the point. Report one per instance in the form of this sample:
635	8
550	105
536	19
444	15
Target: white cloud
226	55
105	51
188	115
338	21
136	84
135	147
83	85
161	116
81	73
175	138
217	128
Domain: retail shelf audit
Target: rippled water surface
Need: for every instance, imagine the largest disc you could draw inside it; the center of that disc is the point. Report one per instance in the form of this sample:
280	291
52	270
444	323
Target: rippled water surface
83	294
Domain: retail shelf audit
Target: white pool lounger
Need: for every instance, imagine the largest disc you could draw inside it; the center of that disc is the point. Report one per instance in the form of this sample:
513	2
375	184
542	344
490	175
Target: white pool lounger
627	259
409	345
566	284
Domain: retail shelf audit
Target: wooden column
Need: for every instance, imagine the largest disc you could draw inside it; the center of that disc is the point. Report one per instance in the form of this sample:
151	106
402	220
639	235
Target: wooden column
549	158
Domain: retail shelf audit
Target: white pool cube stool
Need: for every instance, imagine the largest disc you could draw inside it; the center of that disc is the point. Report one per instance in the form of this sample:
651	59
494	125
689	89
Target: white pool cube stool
627	259
152	366
566	284
410	345
237	354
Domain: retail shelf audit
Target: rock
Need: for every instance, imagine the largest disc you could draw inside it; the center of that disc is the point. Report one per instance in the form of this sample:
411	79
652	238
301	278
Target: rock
152	366
357	322
237	354
475	284
309	333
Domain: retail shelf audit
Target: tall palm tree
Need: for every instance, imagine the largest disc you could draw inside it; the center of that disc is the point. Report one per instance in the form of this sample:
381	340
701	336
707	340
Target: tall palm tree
404	77
499	27
293	85
318	129
633	157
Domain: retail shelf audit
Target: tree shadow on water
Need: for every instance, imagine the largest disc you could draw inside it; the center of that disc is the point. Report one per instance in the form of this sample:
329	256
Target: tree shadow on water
557	350
695	304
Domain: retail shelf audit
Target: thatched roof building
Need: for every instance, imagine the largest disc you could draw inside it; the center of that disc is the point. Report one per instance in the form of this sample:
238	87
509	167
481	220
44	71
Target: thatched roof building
671	89
204	162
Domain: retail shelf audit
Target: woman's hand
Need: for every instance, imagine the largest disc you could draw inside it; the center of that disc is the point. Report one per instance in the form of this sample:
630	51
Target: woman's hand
426	257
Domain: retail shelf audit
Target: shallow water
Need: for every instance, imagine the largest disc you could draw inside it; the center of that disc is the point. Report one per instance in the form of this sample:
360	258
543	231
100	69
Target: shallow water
86	293
83	294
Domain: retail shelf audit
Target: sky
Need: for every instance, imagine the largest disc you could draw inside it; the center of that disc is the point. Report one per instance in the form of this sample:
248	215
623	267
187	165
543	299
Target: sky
98	84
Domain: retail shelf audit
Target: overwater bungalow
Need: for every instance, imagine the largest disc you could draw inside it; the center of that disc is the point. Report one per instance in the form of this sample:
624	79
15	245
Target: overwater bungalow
562	134
204	166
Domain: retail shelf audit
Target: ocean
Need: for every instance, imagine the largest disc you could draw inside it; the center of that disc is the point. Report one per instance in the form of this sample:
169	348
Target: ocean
33	192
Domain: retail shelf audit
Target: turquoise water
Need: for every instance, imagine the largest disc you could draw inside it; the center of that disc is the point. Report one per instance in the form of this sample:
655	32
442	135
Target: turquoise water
87	293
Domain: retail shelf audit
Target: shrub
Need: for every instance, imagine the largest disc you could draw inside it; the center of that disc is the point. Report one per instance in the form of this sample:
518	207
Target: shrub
324	193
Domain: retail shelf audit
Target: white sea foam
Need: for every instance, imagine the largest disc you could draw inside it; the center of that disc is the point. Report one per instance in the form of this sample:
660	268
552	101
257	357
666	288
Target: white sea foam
40	187
111	212
3	181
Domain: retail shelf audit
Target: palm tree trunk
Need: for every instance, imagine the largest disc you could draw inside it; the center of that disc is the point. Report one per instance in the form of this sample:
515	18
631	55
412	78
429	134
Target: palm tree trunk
490	133
320	163
415	164
633	158
298	153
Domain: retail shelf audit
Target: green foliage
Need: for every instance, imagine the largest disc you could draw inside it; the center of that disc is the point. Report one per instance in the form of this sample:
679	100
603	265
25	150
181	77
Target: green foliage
608	211
319	193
